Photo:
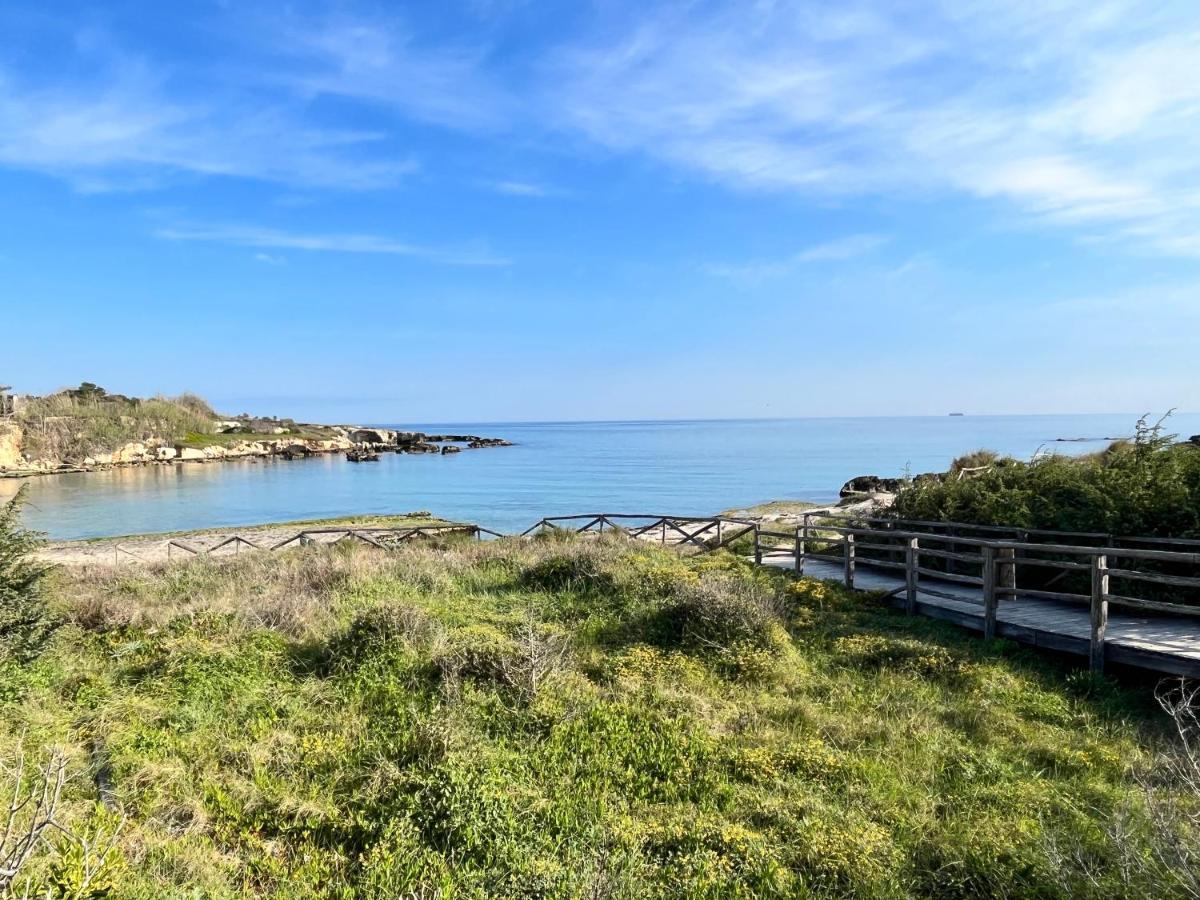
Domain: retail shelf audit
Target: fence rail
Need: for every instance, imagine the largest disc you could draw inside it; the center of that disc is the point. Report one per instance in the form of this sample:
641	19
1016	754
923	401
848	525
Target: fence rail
998	563
382	538
995	564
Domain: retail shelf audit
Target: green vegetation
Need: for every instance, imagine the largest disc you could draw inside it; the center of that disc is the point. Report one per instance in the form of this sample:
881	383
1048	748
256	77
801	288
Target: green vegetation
773	509
207	439
1147	486
25	621
571	717
76	423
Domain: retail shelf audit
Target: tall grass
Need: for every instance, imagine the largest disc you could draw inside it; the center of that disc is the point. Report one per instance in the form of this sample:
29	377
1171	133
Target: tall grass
574	717
70	427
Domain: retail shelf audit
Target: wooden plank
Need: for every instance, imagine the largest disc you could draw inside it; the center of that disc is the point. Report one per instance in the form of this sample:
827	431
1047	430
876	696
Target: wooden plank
912	573
989	593
848	561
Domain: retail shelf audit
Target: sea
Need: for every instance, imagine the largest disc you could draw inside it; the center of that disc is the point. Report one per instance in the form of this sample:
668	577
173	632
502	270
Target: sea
555	468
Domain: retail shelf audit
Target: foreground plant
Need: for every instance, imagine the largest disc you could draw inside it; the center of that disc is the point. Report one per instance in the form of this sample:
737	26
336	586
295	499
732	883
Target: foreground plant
578	717
25	621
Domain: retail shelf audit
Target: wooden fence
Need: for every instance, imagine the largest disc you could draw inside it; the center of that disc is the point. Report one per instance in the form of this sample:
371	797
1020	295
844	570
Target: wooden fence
704	533
994	566
382	538
992	563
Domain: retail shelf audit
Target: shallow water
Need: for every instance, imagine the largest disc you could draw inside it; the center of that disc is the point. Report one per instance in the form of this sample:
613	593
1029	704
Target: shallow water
695	467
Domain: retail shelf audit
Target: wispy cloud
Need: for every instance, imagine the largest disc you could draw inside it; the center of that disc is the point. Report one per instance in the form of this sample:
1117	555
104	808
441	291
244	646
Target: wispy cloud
837	250
523	189
1080	114
124	132
377	61
1069	113
269	238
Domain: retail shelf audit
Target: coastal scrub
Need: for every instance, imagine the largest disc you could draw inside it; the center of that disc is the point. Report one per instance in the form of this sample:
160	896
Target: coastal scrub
569	717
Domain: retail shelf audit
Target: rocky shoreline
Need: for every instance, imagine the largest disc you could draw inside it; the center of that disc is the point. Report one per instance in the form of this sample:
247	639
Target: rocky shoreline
332	439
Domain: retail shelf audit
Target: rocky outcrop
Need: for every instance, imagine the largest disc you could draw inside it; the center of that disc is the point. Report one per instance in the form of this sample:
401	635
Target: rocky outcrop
874	484
287	446
870	484
372	436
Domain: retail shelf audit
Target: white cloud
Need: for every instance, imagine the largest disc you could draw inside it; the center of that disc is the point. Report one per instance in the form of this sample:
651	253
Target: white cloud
378	62
269	238
523	189
124	133
837	250
1082	114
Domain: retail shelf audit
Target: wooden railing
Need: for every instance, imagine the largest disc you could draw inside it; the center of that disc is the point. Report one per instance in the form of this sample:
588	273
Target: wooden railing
933	557
702	532
998	562
382	538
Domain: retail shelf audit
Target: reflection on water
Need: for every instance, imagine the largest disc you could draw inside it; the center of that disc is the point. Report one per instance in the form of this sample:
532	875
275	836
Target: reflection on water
641	467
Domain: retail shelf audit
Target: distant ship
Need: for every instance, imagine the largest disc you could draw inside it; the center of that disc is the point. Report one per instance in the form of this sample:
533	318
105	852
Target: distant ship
958	414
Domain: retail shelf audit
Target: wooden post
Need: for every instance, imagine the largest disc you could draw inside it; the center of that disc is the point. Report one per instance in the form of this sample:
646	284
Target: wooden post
848	561
1007	572
718	532
989	592
912	559
799	550
757	546
1099	611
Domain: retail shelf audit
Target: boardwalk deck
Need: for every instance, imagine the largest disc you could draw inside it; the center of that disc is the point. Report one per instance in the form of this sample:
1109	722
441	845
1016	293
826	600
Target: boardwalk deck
1169	644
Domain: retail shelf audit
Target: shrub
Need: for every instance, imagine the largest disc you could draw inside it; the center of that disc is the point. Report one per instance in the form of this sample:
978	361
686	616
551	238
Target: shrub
26	622
877	651
1147	486
576	567
722	612
376	630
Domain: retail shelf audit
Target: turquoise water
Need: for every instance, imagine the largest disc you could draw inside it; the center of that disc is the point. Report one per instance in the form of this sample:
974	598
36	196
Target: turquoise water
695	467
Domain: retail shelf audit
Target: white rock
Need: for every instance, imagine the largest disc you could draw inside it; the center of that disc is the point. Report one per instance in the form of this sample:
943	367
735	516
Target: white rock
134	451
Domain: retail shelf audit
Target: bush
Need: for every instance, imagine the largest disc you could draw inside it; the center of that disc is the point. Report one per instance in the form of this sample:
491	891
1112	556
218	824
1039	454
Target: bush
1148	486
577	567
378	629
25	620
725	613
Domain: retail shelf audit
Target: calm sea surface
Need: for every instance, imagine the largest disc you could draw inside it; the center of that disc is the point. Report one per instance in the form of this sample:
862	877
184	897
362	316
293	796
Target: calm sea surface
698	467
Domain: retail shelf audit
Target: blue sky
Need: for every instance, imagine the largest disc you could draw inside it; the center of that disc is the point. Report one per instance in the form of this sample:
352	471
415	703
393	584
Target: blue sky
506	210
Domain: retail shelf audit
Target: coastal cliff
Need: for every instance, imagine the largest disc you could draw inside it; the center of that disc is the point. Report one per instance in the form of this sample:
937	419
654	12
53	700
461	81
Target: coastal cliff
86	429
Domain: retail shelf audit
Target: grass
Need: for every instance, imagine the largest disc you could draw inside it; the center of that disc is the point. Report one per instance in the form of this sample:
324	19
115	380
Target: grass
771	508
200	439
569	717
72	426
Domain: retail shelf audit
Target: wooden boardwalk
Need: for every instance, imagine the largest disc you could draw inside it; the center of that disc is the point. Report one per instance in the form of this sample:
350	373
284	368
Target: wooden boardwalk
1024	585
1169	644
